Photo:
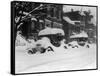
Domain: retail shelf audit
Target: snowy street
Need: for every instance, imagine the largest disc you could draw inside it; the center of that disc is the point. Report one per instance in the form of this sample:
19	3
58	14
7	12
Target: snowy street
60	60
52	37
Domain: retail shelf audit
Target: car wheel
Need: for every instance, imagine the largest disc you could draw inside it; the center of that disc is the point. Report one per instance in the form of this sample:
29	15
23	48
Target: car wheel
43	50
30	52
88	46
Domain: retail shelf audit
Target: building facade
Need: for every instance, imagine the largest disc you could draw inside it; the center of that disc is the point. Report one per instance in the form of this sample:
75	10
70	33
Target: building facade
54	16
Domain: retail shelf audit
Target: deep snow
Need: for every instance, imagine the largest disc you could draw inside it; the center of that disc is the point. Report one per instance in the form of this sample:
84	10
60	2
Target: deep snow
61	59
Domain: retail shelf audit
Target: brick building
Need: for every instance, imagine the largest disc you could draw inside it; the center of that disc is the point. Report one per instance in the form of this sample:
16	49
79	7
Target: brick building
54	16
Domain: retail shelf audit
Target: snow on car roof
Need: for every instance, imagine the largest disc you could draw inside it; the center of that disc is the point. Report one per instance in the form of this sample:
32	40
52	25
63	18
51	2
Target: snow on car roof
82	34
56	30
48	31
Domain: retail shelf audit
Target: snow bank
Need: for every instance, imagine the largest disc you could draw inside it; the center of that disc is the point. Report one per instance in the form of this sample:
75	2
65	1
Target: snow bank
20	41
72	59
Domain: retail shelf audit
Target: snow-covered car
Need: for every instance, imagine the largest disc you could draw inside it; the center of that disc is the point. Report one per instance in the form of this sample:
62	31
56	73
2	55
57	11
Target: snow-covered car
39	46
83	42
54	34
73	44
80	40
49	38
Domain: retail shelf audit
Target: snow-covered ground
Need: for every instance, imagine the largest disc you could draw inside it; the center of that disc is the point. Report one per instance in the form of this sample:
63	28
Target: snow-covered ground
60	60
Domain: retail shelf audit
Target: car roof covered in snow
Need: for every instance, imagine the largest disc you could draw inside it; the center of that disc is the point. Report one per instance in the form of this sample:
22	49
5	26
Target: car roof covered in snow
82	34
48	31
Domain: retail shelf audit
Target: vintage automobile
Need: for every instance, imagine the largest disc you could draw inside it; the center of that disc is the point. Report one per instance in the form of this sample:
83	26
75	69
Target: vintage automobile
48	38
79	40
